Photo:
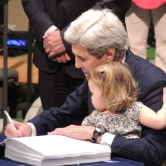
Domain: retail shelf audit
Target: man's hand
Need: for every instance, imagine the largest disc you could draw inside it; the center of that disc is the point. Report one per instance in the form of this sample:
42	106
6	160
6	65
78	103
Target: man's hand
164	99
55	48
63	58
164	95
23	130
164	102
73	131
53	44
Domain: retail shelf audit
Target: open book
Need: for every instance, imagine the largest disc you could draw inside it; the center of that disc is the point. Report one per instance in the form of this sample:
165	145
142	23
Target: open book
53	150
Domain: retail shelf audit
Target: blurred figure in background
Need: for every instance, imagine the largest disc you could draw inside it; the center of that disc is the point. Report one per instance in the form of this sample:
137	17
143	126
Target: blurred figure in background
138	19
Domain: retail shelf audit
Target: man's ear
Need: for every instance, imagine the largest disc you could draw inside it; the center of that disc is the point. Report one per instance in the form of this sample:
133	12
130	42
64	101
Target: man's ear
110	54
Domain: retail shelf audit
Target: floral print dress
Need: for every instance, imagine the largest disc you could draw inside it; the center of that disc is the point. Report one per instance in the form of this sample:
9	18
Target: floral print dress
124	124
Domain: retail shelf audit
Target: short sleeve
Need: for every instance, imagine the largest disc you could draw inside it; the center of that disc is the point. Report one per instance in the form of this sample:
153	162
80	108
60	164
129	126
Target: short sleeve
136	108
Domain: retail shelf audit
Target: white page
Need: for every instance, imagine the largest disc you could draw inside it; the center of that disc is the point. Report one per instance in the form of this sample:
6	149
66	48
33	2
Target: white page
55	147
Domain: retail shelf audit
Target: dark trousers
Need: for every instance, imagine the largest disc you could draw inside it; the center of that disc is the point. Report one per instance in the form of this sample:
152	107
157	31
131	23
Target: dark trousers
55	87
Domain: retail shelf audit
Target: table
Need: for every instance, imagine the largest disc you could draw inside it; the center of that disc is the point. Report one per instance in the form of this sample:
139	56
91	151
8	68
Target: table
19	63
113	162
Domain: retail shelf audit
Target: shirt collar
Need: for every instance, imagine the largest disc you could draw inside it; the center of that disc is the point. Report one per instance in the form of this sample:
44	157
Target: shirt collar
123	60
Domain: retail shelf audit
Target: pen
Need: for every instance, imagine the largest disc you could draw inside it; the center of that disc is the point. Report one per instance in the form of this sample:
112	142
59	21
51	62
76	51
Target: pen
9	119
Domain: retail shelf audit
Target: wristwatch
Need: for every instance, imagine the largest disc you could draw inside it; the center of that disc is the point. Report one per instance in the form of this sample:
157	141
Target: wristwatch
99	130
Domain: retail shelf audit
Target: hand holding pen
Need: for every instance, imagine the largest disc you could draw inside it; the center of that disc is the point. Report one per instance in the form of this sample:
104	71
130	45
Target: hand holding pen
9	119
16	129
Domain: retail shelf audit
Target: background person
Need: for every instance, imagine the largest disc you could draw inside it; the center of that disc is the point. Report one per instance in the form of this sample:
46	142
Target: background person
58	76
103	39
138	19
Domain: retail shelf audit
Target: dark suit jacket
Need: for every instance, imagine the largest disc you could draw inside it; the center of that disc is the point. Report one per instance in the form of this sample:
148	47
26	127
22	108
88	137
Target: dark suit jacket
150	148
44	13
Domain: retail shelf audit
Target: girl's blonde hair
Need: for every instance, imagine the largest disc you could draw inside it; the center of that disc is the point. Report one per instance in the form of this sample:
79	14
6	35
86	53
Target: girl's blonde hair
118	86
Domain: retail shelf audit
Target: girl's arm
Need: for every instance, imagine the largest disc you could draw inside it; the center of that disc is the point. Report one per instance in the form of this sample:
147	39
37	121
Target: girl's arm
154	120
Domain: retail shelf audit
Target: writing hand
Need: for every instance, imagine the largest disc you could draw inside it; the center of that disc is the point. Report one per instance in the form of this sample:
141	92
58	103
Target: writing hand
23	130
9	119
73	131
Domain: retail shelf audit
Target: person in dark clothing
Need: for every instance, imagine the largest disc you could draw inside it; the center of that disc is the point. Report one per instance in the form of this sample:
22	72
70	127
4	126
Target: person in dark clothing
58	76
98	37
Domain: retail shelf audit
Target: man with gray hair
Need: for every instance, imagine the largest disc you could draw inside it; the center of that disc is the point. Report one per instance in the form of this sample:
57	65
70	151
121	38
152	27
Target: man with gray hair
98	37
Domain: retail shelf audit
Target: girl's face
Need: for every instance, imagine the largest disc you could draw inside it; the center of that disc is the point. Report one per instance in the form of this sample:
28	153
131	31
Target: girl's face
96	96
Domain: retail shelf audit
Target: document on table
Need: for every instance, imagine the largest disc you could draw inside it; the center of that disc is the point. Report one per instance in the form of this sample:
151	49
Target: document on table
54	150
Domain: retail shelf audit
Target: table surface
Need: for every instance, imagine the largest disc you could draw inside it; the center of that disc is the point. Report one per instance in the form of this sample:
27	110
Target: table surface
113	162
19	63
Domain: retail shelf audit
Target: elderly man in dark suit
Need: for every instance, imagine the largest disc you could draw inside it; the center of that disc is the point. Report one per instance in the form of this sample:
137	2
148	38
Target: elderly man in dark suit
98	37
52	54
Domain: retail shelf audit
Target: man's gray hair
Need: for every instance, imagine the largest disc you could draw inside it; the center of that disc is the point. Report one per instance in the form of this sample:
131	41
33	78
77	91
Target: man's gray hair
98	30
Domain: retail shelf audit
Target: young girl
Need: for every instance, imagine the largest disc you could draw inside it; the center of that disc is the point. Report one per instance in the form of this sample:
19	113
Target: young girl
114	96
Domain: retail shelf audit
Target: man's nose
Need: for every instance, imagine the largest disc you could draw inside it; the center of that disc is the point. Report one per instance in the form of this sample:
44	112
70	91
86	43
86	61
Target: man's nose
77	63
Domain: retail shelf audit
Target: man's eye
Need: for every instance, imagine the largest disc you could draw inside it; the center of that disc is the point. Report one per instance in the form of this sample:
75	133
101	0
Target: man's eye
82	59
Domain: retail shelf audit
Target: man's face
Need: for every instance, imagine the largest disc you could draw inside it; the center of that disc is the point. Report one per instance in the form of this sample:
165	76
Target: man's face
86	61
